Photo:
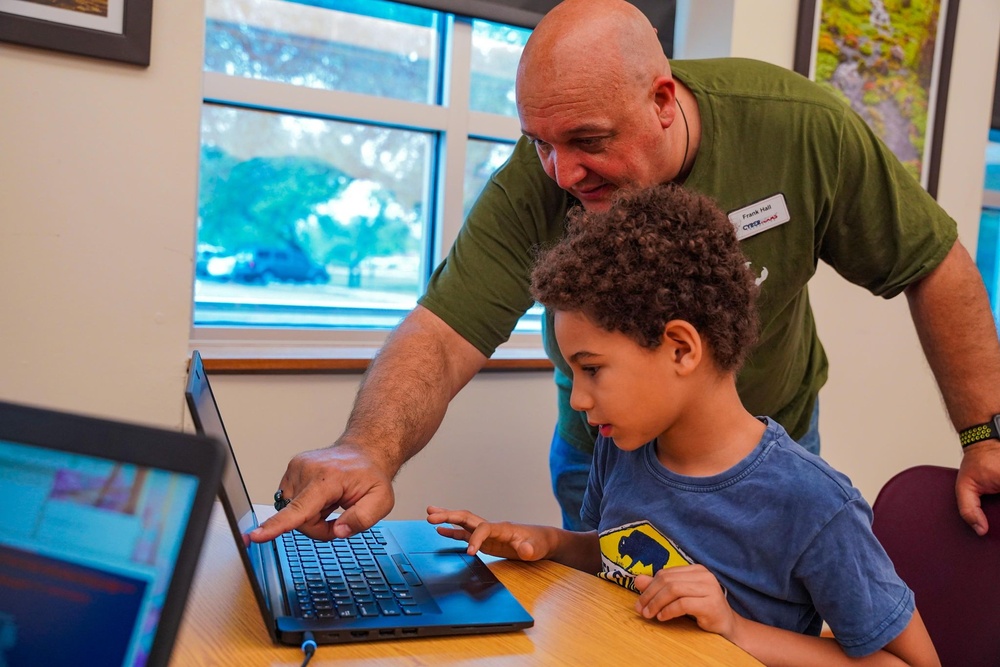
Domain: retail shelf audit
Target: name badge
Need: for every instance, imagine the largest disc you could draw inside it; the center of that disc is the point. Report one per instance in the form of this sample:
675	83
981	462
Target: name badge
760	216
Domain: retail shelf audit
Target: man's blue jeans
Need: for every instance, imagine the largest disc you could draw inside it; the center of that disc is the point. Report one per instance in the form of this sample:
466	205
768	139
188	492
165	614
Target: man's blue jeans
570	470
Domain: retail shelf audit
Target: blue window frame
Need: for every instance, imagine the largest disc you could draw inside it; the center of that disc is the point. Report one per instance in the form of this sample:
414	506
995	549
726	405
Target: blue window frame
988	246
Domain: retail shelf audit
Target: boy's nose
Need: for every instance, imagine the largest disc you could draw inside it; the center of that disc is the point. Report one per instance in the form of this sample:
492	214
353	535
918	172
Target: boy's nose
579	400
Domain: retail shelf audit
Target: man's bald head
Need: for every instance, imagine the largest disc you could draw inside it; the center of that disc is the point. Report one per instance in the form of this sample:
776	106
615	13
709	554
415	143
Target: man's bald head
596	99
609	43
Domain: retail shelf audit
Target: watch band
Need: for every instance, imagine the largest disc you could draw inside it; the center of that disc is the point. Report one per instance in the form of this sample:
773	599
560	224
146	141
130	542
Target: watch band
980	432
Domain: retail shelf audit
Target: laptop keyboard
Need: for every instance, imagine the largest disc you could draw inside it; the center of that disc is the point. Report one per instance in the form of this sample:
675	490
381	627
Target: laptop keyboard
349	578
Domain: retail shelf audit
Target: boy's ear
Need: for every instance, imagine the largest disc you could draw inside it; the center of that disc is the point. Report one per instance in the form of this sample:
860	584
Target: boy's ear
684	345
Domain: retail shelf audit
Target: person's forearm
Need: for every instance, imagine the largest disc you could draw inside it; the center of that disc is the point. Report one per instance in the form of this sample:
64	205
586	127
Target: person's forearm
779	648
580	551
405	393
951	312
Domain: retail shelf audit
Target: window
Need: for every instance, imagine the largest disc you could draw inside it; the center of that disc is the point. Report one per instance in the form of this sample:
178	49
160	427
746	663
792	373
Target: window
988	247
342	144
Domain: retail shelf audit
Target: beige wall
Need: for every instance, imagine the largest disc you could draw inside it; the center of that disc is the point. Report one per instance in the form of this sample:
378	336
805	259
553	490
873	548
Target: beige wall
97	198
98	178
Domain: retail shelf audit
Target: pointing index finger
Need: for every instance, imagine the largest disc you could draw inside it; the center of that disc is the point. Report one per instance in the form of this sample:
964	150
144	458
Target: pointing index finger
295	514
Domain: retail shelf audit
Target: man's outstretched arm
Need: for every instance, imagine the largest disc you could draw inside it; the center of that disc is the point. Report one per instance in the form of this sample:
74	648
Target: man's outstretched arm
400	405
951	312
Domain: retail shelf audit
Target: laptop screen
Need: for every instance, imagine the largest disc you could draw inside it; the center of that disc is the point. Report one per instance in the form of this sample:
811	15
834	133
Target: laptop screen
87	553
232	492
205	413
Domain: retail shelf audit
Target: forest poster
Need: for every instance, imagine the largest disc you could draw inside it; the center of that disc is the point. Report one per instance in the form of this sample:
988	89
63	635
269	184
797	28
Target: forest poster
889	60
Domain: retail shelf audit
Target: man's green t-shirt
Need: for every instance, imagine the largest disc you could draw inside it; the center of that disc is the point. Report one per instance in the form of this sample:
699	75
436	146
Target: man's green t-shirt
802	178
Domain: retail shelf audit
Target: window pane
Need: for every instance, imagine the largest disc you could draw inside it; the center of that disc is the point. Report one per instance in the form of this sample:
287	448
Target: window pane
992	180
309	222
360	46
986	255
988	247
496	48
482	158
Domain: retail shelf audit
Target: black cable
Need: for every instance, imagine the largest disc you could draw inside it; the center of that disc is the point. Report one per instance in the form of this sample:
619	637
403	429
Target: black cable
308	647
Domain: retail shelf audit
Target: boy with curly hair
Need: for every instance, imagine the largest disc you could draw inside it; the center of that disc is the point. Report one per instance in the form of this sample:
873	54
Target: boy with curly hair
696	504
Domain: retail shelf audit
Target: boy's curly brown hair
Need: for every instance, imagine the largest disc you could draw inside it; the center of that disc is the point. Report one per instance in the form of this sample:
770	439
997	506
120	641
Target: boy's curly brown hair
656	255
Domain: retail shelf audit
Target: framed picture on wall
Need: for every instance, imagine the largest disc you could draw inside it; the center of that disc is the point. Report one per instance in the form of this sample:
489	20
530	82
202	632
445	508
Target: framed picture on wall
110	29
890	60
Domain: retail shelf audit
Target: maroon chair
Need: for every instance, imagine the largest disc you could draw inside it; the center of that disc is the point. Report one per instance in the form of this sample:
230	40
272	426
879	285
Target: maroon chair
954	574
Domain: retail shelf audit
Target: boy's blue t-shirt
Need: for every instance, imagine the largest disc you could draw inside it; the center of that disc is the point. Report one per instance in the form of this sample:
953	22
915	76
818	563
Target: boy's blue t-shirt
787	536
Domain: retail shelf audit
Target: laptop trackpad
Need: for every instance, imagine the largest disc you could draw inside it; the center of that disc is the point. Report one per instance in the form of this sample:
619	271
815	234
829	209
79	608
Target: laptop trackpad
445	573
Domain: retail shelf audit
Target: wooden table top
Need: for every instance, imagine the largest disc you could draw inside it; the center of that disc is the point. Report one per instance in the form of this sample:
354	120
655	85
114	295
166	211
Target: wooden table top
579	620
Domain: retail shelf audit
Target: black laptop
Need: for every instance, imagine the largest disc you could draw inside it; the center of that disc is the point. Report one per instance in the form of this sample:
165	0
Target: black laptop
398	579
100	532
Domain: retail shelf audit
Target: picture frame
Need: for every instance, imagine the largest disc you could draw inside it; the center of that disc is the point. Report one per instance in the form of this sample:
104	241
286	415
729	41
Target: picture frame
110	29
893	69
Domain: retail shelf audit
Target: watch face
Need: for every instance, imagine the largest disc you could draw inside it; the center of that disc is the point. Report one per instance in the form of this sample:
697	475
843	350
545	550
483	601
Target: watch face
996	426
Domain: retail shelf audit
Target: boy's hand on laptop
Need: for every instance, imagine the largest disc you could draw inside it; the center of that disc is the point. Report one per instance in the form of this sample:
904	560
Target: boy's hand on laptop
688	590
505	540
318	482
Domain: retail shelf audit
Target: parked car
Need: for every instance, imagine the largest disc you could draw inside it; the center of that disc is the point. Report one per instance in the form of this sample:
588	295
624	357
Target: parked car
213	263
265	264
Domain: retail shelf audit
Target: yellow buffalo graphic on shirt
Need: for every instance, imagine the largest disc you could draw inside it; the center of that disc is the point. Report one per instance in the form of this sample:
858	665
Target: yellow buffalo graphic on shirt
637	548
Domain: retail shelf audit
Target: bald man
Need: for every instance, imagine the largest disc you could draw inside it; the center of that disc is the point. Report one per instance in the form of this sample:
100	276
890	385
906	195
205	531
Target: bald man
802	178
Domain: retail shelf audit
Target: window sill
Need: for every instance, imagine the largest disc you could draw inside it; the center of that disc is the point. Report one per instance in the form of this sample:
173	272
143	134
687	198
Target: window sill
347	360
276	351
